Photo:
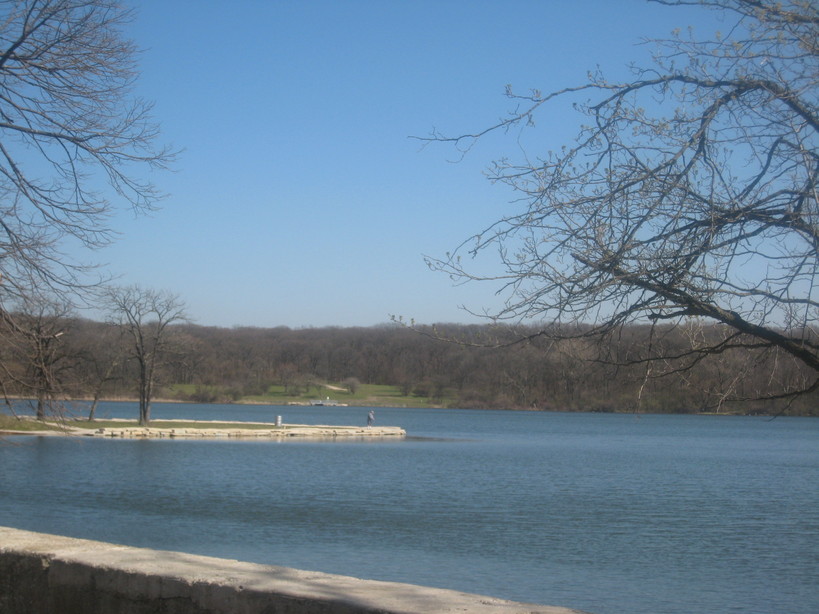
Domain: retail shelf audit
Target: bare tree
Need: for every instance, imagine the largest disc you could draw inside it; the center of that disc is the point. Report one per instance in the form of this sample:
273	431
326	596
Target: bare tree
689	195
352	384
74	142
145	316
37	360
101	353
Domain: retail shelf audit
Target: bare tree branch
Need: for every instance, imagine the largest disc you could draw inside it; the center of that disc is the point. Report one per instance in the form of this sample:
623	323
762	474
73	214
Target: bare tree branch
689	192
74	142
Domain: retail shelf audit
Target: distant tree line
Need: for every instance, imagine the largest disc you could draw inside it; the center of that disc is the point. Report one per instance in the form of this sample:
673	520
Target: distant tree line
55	356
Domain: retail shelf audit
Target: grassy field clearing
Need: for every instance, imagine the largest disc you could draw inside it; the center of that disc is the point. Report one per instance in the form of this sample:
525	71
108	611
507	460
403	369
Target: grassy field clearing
368	395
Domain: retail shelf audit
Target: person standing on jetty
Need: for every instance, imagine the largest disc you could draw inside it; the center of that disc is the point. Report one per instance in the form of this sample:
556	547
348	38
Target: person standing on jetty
370	418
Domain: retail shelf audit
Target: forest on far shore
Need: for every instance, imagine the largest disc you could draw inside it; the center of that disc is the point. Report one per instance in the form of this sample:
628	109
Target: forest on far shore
463	366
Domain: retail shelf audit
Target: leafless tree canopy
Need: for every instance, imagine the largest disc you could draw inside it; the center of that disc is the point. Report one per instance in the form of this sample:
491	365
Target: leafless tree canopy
144	316
33	358
689	194
74	142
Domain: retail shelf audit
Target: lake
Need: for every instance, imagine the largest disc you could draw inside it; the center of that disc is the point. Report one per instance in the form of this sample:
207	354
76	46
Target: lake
612	514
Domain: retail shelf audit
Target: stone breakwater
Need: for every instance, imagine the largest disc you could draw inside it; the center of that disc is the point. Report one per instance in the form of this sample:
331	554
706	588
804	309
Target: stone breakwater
283	432
167	429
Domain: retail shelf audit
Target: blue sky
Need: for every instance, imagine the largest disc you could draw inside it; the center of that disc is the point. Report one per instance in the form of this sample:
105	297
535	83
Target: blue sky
299	198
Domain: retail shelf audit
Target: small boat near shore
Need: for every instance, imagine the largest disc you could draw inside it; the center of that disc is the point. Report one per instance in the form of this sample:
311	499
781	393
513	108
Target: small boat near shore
328	402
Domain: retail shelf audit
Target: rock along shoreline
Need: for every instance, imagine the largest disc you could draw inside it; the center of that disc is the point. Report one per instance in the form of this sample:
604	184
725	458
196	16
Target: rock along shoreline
259	430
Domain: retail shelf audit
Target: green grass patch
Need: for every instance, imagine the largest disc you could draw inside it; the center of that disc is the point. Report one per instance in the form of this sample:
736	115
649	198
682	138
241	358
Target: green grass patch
368	395
182	389
168	424
10	423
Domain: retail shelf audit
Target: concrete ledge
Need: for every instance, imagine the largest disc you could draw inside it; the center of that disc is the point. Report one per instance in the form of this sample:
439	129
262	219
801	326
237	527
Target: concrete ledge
41	573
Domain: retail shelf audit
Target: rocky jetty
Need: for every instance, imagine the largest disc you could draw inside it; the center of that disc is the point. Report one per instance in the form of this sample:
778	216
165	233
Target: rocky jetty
274	432
196	429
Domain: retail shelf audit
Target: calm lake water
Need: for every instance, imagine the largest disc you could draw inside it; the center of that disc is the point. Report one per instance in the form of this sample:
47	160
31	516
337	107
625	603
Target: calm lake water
612	514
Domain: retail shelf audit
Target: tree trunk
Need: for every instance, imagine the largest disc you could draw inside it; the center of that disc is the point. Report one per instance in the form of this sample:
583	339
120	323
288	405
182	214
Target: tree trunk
93	409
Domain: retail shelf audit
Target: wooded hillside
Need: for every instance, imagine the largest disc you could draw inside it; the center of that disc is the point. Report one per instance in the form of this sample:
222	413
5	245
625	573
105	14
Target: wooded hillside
450	366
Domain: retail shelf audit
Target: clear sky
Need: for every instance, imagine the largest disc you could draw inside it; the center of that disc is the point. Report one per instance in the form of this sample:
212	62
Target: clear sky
299	198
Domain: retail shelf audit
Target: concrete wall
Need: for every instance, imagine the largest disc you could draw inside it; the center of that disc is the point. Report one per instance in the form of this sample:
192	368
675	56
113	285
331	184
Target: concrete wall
42	573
